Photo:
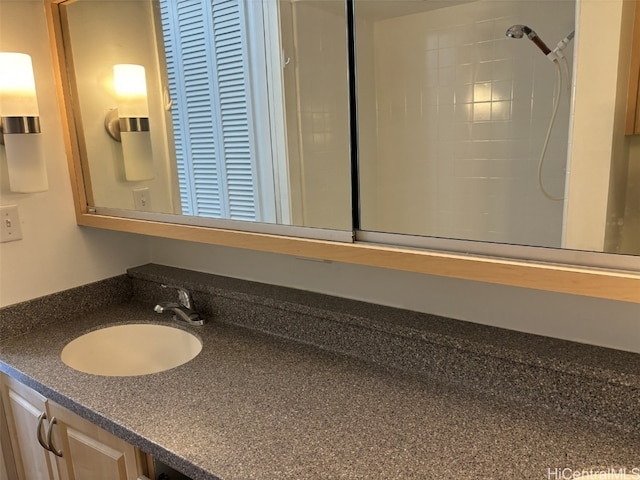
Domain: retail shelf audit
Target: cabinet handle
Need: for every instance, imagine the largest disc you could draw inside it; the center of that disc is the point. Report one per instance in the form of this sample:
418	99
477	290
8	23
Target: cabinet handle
52	449
41	419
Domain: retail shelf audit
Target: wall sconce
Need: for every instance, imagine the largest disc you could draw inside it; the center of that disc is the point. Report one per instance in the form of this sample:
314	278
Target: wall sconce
20	124
129	123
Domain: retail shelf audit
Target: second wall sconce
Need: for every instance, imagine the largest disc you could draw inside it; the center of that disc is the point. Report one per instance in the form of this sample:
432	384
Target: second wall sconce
129	123
20	124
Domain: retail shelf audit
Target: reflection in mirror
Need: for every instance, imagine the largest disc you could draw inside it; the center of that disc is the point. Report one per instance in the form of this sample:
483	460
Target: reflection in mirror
465	117
461	116
247	108
480	120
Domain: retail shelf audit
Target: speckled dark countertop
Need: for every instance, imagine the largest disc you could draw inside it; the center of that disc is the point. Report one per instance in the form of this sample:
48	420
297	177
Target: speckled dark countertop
256	406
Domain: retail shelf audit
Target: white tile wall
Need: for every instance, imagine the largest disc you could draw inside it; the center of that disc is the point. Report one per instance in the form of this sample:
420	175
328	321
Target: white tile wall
462	112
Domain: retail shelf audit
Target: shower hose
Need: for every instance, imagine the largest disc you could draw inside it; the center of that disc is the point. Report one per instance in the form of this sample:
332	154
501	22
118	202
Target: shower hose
556	103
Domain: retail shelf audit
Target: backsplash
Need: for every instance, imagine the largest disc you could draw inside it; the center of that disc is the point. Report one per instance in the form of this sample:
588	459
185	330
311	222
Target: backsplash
60	307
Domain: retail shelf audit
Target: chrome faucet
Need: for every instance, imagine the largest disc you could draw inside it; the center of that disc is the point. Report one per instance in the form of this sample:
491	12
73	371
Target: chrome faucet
183	310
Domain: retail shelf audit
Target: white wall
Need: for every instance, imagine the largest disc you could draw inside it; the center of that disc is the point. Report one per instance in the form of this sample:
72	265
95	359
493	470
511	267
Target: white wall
462	113
55	254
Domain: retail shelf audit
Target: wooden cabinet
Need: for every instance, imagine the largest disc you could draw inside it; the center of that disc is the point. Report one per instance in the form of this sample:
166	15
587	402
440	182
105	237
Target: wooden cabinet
23	408
83	449
91	452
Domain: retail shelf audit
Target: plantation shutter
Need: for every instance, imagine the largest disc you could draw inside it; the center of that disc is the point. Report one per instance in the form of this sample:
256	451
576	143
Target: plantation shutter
207	69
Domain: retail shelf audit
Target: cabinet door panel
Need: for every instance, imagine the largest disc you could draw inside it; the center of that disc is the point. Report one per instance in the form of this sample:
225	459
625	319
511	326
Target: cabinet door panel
23	407
94	459
90	452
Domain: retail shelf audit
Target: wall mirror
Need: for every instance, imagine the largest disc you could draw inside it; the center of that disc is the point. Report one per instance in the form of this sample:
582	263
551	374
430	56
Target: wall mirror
485	127
463	130
247	108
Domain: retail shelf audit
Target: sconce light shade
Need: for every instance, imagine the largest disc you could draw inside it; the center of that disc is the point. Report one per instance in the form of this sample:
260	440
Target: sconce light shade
17	86
20	124
132	126
130	84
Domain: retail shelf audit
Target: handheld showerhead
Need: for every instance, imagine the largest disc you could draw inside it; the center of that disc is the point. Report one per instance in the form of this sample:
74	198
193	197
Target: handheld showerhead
519	31
516	31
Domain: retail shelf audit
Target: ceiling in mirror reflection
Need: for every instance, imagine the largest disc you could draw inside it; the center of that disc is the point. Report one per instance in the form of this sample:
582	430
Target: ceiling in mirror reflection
457	135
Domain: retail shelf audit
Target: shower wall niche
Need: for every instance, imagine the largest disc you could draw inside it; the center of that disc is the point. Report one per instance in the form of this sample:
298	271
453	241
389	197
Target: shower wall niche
453	116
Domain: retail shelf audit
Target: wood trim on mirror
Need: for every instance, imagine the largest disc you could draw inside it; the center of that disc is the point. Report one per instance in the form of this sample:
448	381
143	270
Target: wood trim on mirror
72	146
600	283
586	281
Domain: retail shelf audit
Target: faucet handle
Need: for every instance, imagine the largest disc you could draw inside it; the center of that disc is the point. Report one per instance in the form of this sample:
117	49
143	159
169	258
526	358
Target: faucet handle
184	297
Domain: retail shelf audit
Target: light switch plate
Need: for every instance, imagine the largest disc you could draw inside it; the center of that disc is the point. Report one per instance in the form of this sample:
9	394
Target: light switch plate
9	224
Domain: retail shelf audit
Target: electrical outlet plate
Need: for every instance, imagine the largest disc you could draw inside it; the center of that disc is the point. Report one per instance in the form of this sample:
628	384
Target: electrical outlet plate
9	224
142	199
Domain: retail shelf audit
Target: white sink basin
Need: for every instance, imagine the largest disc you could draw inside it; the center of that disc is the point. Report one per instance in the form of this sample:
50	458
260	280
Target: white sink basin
127	350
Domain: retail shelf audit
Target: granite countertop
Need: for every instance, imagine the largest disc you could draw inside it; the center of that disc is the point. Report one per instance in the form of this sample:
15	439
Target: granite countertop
255	406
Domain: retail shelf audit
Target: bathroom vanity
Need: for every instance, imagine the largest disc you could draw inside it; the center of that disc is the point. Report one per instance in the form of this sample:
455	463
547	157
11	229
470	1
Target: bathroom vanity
291	384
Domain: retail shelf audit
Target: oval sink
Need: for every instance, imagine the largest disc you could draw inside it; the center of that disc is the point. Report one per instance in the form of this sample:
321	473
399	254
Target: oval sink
127	350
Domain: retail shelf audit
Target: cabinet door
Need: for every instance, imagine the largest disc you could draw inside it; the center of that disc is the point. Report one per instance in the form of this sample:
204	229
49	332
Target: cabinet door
89	452
22	407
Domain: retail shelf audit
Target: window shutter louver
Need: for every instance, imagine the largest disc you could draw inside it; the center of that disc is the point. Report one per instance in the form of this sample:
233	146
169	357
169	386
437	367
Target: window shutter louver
207	73
231	66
